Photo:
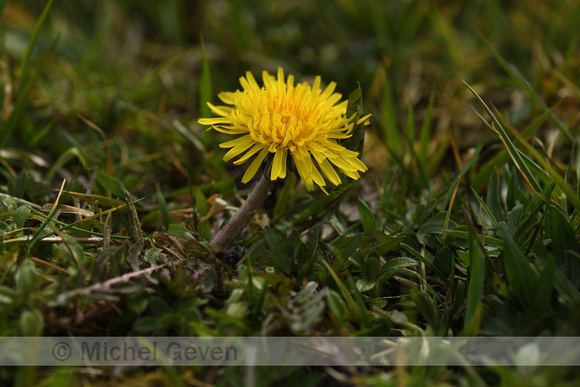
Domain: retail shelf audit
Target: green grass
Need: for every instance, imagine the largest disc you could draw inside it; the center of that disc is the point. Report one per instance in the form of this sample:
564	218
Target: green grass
465	224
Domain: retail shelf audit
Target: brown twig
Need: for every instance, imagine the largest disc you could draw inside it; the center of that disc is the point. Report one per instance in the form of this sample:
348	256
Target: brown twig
63	297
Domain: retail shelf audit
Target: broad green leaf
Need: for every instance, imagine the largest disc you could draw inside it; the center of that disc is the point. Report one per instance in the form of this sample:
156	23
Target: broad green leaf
289	184
355	107
179	231
366	215
26	277
337	305
427	262
379	241
394	266
111	184
364	285
280	249
443	261
565	247
17	188
31	323
546	285
323	204
428	309
521	277
372	267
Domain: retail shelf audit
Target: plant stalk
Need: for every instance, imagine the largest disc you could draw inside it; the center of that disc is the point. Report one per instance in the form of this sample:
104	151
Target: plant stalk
242	218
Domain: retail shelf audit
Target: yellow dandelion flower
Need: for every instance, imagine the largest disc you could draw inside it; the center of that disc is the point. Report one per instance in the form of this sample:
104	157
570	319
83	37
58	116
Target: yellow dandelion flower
281	119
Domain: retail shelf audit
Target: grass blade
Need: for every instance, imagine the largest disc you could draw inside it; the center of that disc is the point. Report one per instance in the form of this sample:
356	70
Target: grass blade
498	128
205	89
527	88
32	43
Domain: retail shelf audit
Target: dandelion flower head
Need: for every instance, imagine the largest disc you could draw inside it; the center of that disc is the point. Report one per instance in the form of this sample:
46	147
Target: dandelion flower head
283	119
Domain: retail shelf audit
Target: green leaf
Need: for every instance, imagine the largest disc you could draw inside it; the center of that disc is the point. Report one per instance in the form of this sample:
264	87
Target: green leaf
394	266
364	285
367	217
355	107
152	256
322	205
485	172
111	184
493	201
146	324
179	231
7	295
554	175
363	315
289	184
527	88
379	241
501	132
427	262
158	306
546	285
443	261
521	277
31	323
20	215
372	268
26	277
346	246
565	247
476	275
428	309
337	305
280	249
17	188
163	210
138	303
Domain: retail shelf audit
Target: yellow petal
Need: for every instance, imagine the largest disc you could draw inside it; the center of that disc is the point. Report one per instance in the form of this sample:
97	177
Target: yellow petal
229	130
279	164
316	85
317	177
239	145
253	168
303	166
344	165
213	121
223	111
329	89
364	119
329	172
227	97
249	154
249	83
357	163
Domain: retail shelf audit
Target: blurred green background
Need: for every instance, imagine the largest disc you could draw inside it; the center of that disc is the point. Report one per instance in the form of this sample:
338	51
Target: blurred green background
134	70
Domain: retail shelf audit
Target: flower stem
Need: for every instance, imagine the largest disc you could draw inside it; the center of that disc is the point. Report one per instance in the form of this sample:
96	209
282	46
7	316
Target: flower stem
240	220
